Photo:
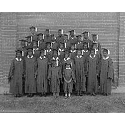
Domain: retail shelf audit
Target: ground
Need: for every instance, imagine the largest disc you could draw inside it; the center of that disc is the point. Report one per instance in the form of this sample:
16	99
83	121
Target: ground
76	104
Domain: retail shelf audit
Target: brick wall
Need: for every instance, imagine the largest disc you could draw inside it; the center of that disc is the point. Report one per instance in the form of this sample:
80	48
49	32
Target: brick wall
122	50
15	26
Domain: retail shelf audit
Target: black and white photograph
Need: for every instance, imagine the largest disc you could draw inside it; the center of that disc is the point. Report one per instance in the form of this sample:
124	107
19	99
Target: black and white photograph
62	62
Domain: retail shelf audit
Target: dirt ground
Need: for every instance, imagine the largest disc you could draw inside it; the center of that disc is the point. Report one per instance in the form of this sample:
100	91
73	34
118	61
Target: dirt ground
76	104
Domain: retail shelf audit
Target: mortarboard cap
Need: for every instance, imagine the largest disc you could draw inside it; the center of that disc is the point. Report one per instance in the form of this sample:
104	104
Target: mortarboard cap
18	50
85	32
32	27
28	37
79	36
22	40
72	31
94	35
48	30
60	30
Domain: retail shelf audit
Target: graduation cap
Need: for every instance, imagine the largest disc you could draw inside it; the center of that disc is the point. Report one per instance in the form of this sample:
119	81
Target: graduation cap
22	40
28	37
94	35
86	32
29	48
60	30
106	50
47	30
32	27
18	50
79	36
72	31
65	34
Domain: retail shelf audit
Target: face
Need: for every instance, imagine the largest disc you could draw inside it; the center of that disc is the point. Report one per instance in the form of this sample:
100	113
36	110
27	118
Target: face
85	46
53	37
92	52
42	53
86	36
47	32
32	30
105	54
22	44
79	53
72	34
65	37
18	55
67	66
40	37
48	46
66	55
59	33
34	45
94	38
61	46
79	38
72	47
30	53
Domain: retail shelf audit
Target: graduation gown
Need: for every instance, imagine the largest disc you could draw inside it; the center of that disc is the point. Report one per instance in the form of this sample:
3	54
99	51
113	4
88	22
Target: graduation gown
54	45
106	75
42	44
47	39
73	40
79	45
49	55
54	75
80	74
93	70
34	37
73	54
16	76
60	39
36	53
61	54
42	74
30	69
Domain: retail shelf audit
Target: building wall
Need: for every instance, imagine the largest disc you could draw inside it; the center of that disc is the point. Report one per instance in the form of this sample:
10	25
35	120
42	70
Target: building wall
109	27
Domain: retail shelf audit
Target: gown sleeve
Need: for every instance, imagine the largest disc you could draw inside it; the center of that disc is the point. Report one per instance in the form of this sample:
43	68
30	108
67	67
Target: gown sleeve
11	71
110	69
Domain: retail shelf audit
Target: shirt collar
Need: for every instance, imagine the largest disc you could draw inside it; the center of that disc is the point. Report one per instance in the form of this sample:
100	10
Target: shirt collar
66	59
105	58
55	58
18	59
72	51
79	56
30	57
85	51
61	49
48	50
42	57
92	57
68	68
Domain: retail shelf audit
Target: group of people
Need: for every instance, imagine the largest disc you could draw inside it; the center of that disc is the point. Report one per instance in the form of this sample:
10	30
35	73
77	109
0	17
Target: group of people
66	64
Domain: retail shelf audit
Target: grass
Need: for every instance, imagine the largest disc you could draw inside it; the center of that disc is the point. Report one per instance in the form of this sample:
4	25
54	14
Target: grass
76	104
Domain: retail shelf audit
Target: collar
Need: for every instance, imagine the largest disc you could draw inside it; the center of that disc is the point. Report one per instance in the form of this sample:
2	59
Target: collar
35	48
48	50
18	59
68	68
92	57
42	57
105	58
95	42
55	58
72	51
79	56
66	59
30	57
85	51
61	49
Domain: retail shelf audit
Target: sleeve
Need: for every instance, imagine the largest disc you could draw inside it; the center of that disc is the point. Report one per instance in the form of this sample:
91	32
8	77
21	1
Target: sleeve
36	66
49	73
11	70
97	65
86	65
110	69
73	76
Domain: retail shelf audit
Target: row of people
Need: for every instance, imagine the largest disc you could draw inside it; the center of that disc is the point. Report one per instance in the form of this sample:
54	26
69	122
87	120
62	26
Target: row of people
80	71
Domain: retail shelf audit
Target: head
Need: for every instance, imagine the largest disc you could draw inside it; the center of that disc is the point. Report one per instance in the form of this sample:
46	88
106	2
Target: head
22	43
40	37
92	52
55	54
30	52
18	54
85	47
72	47
60	32
61	45
35	44
47	32
79	37
72	33
32	30
105	53
95	46
66	54
94	37
86	35
48	45
79	52
42	53
65	37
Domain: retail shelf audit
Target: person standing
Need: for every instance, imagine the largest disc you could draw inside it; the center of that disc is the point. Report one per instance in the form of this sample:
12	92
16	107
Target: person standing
16	74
